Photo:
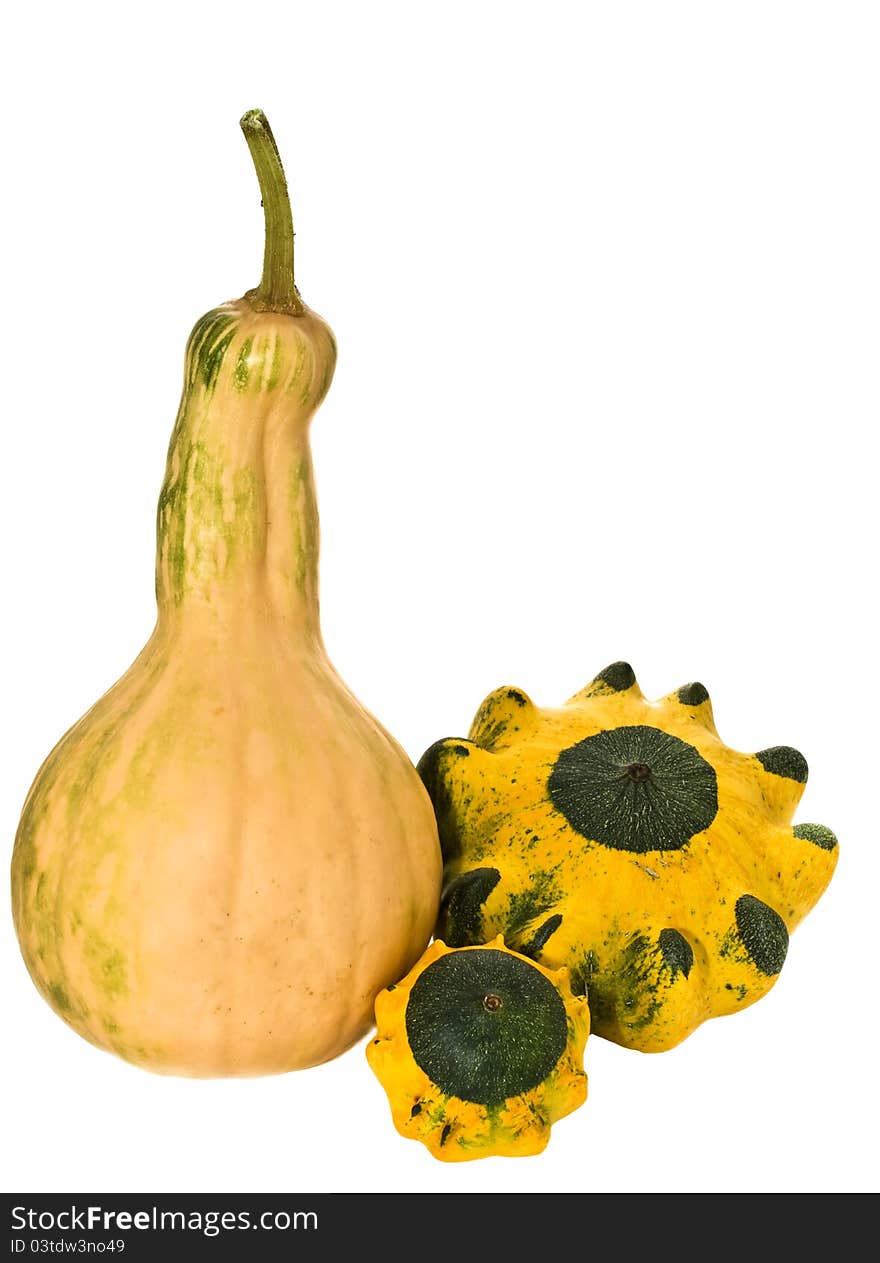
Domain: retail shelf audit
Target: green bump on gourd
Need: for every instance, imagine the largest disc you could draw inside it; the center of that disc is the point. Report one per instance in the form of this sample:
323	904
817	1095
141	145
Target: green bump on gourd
619	677
501	714
433	768
763	933
635	788
784	761
693	694
485	1025
541	936
677	952
819	834
461	913
429	766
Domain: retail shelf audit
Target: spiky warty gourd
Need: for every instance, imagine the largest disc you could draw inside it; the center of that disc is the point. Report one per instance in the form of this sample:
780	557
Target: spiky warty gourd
480	1050
621	837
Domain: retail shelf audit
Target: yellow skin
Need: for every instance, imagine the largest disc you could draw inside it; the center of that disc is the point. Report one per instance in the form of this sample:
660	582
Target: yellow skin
660	938
458	1130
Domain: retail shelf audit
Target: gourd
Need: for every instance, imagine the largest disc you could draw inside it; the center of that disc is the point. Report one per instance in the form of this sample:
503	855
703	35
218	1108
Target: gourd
221	863
621	838
480	1050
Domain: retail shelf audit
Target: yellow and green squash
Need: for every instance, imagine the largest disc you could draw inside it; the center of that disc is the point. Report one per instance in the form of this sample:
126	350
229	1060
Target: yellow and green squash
480	1050
620	837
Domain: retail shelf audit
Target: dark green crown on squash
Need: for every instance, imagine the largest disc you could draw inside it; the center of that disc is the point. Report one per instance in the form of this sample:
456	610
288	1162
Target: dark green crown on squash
485	1025
635	788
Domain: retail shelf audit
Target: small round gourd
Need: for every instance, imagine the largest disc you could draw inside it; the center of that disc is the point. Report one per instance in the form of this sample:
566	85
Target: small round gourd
480	1050
622	838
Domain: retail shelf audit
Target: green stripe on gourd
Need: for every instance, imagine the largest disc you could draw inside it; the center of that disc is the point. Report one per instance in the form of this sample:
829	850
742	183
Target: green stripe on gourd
241	373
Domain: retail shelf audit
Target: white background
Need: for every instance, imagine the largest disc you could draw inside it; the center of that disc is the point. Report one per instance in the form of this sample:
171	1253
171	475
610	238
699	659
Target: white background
605	280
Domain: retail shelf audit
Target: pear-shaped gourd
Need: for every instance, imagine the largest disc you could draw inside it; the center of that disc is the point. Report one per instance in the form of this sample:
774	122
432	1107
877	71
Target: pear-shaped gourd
226	859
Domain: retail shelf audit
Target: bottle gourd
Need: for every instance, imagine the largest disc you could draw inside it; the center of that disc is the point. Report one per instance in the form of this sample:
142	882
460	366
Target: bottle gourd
225	860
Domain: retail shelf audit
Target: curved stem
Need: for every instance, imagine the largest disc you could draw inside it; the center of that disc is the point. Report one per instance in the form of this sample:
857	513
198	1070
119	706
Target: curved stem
277	290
